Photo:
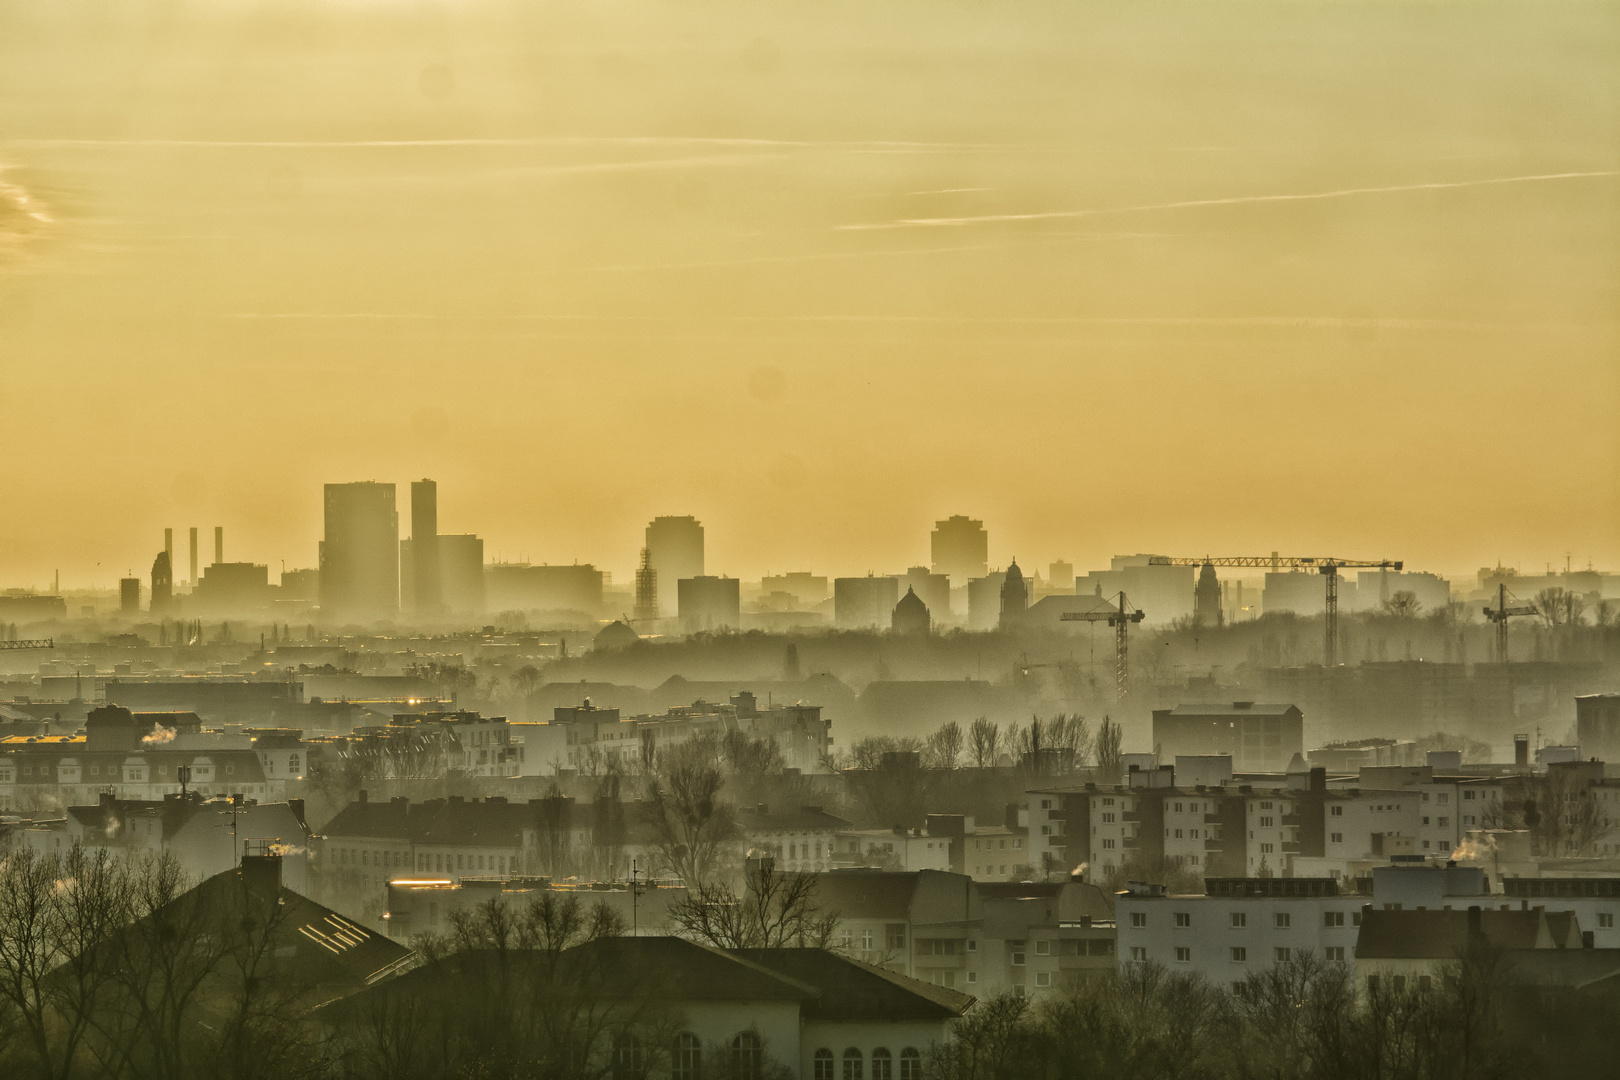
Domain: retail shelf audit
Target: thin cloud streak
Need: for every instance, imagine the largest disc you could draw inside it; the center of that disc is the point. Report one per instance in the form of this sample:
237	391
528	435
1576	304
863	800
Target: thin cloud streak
1050	215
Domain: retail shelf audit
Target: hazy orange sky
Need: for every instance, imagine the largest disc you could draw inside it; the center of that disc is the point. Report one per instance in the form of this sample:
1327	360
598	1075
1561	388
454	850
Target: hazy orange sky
1325	278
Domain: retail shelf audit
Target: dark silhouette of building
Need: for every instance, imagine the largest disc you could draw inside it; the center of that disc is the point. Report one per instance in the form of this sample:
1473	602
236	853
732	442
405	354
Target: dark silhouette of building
646	589
861	602
219	543
231	589
192	581
1060	576
129	595
1207	598
709	603
910	615
984	600
162	584
1597	725
1014	596
1259	737
933	589
960	549
521	587
427	596
675	551
360	554
460	566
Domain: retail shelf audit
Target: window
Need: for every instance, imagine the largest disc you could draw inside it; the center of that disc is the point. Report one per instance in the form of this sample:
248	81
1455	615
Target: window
1108	844
910	1064
854	1067
1017	959
1108	818
1240	955
1138	920
747	1056
1424	984
1183	954
686	1059
1240	919
629	1060
1284	920
1266	823
1046	804
973	978
1283	954
1337	838
1138	952
973	946
1606	920
1043	948
866	940
1334	953
1183	918
1265	849
882	1064
1337	811
896	933
1265	806
1332	918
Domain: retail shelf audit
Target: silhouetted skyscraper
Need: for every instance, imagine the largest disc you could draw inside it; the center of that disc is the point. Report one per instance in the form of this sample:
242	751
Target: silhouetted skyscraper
1207	598
193	579
360	555
675	550
219	543
427	574
960	549
129	595
162	582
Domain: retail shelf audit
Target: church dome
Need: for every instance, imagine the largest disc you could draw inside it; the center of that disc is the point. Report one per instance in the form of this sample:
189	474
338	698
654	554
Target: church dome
616	635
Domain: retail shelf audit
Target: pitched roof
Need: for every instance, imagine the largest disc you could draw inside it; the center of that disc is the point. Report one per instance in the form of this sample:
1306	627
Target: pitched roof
849	990
794	817
867	894
1444	935
688	971
1228	708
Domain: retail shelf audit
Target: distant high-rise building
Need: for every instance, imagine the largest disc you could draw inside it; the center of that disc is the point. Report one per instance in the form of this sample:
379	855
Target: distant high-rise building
162	581
219	543
934	590
807	589
646	589
910	615
1207	598
192	581
427	596
232	589
1060	576
984	601
864	602
573	588
960	549
460	574
1014	596
709	603
129	595
675	550
360	554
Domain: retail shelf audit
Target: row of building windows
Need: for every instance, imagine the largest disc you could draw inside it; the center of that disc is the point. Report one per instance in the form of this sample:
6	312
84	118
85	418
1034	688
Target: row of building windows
826	1067
1239	920
1238	954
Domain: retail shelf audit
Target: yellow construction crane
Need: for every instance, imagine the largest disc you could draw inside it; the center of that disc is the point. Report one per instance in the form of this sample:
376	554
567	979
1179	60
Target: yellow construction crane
30	643
1500	616
1120	620
1329	569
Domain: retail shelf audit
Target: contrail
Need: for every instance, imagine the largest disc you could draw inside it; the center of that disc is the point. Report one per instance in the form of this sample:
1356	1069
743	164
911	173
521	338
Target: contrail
582	140
1236	200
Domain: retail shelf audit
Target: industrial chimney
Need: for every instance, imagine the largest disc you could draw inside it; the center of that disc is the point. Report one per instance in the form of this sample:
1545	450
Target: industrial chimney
219	543
1521	749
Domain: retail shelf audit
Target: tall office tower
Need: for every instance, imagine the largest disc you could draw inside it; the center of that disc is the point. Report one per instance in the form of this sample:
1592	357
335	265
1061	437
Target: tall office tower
219	543
129	595
427	574
162	583
675	550
193	581
960	549
646	589
360	555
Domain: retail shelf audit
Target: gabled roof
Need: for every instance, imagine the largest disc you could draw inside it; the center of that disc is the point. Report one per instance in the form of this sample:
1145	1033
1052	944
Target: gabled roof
790	817
848	990
1444	935
686	971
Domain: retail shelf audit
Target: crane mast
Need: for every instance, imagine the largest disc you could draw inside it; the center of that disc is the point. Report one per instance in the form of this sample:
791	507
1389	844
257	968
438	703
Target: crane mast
1328	567
1500	616
1120	620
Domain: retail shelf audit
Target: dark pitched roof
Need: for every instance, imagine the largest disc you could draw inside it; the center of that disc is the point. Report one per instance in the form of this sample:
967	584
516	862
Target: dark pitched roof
795	817
687	971
850	990
1444	935
867	894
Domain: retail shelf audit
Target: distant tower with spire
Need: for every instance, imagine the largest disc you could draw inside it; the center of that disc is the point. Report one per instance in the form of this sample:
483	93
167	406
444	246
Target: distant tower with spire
1014	596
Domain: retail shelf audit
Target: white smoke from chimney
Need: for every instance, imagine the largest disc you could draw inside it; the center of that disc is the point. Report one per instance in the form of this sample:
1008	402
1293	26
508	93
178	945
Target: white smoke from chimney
158	736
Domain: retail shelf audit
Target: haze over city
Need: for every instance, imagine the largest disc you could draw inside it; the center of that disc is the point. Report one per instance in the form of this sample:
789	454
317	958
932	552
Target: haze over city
631	540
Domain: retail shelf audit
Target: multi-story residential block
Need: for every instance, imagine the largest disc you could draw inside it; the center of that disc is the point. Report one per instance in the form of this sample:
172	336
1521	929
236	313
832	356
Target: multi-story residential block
800	839
1240	925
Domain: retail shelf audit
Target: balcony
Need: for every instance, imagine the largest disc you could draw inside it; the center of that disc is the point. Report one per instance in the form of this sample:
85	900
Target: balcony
1130	842
1213	843
1130	815
1212	819
1290	819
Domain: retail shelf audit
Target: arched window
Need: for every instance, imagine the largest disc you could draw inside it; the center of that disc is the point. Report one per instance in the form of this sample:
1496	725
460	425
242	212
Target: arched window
629	1059
822	1065
910	1064
747	1056
853	1065
686	1058
882	1064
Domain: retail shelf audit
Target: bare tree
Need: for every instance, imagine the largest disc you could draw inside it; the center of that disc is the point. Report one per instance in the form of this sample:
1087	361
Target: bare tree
691	825
984	742
944	747
774	911
1110	752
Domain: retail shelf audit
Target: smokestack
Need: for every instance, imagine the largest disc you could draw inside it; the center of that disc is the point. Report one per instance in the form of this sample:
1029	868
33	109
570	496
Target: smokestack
219	543
168	545
1521	749
194	556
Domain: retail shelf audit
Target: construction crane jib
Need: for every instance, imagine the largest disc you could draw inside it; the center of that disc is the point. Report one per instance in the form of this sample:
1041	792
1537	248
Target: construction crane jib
1328	567
1120	619
29	643
1500	615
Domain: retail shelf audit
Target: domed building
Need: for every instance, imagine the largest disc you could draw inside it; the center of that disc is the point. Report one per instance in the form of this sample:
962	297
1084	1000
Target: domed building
1014	596
615	635
911	615
1207	598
